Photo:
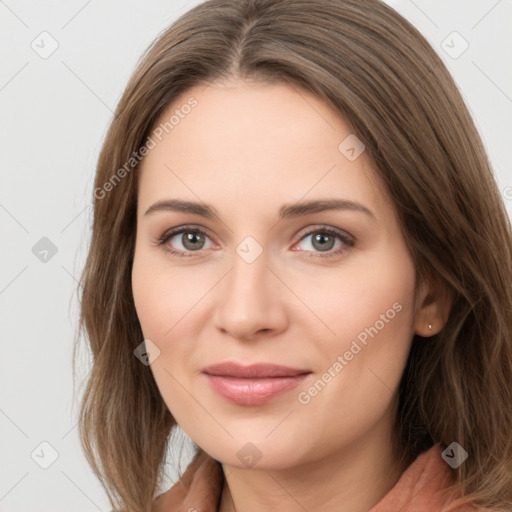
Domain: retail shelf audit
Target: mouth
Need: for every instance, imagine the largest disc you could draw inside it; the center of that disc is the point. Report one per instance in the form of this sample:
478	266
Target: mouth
255	384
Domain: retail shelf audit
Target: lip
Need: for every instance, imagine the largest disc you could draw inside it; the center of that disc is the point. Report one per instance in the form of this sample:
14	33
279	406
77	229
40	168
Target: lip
255	384
252	371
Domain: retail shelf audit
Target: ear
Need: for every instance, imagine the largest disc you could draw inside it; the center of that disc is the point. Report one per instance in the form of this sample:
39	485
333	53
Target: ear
433	303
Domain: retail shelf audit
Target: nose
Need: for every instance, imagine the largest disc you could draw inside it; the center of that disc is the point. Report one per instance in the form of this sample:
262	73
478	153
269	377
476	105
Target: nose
250	300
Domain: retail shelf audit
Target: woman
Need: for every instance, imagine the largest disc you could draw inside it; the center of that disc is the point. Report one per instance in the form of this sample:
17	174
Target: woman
300	256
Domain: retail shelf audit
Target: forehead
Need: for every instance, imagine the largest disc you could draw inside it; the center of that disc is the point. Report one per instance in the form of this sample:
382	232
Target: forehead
254	143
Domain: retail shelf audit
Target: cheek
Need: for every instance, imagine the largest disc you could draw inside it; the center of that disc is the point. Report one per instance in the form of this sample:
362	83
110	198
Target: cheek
360	366
354	297
370	313
163	297
170	305
162	301
147	297
367	313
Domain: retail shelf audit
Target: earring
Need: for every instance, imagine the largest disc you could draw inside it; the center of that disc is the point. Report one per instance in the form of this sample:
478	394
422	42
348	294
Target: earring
429	327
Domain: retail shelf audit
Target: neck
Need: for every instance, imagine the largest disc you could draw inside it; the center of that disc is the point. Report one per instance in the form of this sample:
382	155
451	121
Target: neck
353	479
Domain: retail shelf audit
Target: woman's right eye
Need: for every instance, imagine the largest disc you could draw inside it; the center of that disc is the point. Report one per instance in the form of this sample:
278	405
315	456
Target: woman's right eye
185	240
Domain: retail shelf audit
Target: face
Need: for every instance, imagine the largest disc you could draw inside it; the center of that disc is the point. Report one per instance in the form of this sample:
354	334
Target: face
300	263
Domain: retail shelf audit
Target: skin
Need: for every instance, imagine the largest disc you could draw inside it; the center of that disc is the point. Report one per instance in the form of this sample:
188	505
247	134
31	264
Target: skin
247	149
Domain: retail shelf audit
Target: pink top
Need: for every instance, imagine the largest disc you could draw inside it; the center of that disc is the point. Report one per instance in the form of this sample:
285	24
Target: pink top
421	488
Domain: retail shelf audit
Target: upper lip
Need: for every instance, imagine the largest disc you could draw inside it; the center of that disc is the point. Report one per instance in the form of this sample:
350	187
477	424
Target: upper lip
257	370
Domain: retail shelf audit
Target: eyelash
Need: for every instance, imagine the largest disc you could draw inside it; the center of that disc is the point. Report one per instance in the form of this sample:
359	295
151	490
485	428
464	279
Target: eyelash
348	242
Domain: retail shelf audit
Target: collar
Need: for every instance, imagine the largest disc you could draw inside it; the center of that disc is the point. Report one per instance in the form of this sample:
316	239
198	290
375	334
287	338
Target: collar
423	487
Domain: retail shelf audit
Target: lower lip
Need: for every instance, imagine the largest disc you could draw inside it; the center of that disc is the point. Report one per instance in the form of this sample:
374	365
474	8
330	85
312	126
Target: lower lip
253	391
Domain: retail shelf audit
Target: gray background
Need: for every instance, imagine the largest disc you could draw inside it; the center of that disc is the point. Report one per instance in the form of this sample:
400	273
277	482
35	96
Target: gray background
55	110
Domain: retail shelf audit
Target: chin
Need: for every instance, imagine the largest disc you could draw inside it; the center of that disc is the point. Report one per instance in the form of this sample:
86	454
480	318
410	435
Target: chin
258	453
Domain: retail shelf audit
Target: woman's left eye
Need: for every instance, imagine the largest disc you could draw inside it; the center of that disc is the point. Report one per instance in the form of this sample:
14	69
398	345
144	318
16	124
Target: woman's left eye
322	240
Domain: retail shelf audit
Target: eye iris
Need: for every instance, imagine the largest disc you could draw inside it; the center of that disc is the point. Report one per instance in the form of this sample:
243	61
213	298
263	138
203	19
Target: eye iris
189	240
321	238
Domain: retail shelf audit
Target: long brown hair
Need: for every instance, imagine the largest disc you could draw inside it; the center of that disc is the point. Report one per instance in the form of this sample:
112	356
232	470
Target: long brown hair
384	79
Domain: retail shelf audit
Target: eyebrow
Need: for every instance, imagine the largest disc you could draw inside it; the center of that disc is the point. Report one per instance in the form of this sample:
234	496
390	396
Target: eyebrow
286	211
